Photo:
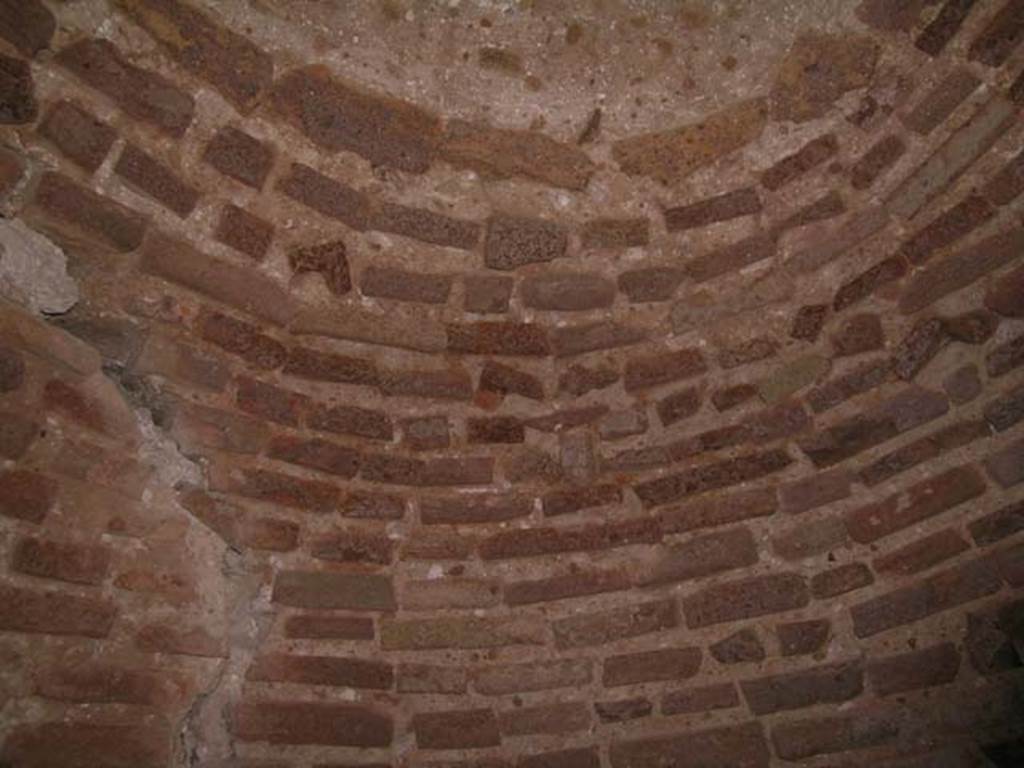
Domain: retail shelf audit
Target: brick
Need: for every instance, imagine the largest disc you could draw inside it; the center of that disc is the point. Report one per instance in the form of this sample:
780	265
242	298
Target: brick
450	593
426	434
918	347
329	259
1005	186
1006	466
858	227
817	70
809	538
272	403
663	368
427	678
328	197
650	284
101	683
196	424
494	430
243	231
239	287
461	633
354	546
376	506
17	433
498	338
800	638
938	593
497	680
321	670
951	159
318	627
858	380
18	104
141	94
700	699
951	225
567	291
12	169
711	476
998	525
890	15
184	640
926	448
802	739
1005	295
589	629
331	590
84	744
816	491
650	666
963	385
751	351
545	719
505	380
582	757
456	729
242	339
679	405
849	437
561	587
615	233
532	542
840	580
623	710
828	206
732	257
858	334
513	242
701	557
809	156
82	211
740	647
451	384
568	341
54	613
922	554
940	102
307	363
26	495
808	322
944	26
745	598
240	156
487	294
500	153
285	490
324	723
719	510
925	668
673	154
569	500
63	561
624	423
27	25
12	370
711	210
426	226
236	527
476	508
868	282
830	683
350	420
1000	37
734	745
1006	357
154	179
397	470
879	158
80	136
578	380
400	285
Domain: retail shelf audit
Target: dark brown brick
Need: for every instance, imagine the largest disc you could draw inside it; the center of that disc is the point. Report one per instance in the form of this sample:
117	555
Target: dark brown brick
459	632
848	438
18	104
940	102
1005	295
513	242
282	489
623	710
800	638
615	233
156	180
456	470
936	665
802	739
505	380
947	228
496	429
700	699
561	587
858	334
751	351
589	629
195	424
808	322
326	196
383	130
808	538
312	364
745	598
269	402
569	500
650	284
315	454
867	282
922	450
1006	357
702	556
531	542
498	338
858	380
654	370
478	508
816	491
80	136
319	627
1006	466
922	554
427	433
998	525
12	370
53	613
496	680
944	26
83	211
27	25
732	257
350	420
12	169
374	506
739	202
239	528
882	155
330	590
81	744
487	294
1006	186
730	397
26	495
545	719
104	683
572	340
791	167
17	433
679	405
650	666
733	745
1000	37
456	729
582	757
710	477
321	670
142	94
244	232
578	380
429	678
426	226
64	561
794	690
840	580
719	510
242	339
963	385
740	647
890	15
240	156
828	206
400	285
323	723
567	291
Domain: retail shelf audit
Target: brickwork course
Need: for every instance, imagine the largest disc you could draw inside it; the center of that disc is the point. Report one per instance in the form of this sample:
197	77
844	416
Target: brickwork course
512	384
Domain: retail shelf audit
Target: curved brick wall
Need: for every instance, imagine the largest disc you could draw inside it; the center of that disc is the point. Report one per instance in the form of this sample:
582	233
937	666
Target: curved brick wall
381	436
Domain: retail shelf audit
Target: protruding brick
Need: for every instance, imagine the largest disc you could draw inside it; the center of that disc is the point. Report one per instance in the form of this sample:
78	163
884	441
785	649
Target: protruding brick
79	135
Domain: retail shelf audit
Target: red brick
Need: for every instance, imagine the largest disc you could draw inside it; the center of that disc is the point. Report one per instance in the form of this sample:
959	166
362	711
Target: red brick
80	136
808	322
328	259
456	729
582	757
809	538
944	26
500	153
734	745
26	495
858	380
513	242
720	510
237	528
503	379
27	24
615	233
17	433
12	169
398	470
285	490
84	745
936	665
561	587
317	627
794	690
759	348
951	225
154	179
745	598
476	508
578	380
533	542
569	500
890	15
498	429
324	590
920	501
699	699
935	594
963	385
376	506
1006	357
1006	294
800	638
246	233
811	155
101	683
350	420
1006	466
83	211
12	370
731	258
710	477
428	433
623	709
315	365
881	156
650	284
17	92
856	434
142	94
567	291
183	640
922	450
1000	37
71	403
54	613
450	384
461	633
802	739
269	402
940	102
424	225
730	205
545	719
650	666
740	647
240	156
64	561
488	294
1006	186
568	418
701	557
813	492
326	196
242	339
840	580
328	724
572	340
679	405
497	680
654	370
998	525
589	629
321	670
498	338
315	454
400	285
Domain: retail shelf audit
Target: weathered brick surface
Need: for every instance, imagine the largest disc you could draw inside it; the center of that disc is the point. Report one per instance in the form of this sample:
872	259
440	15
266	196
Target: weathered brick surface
55	613
739	745
745	598
80	744
351	591
939	103
606	626
322	670
812	154
397	284
543	719
280	722
328	197
81	137
154	179
243	231
560	587
731	258
82	211
240	156
460	633
700	698
709	477
513	242
944	26
615	233
800	638
568	341
28	25
424	225
63	561
740	647
1000	36
998	525
730	205
1006	357
803	739
498	338
795	690
703	556
487	294
924	668
26	495
456	729
876	161
567	292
